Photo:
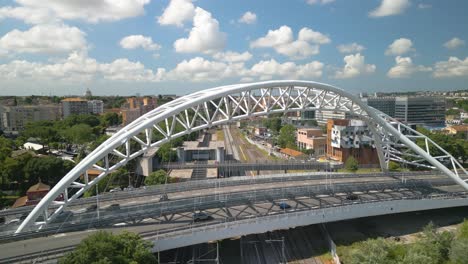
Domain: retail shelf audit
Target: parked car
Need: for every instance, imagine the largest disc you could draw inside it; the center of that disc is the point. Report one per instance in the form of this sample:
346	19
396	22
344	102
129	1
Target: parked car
352	197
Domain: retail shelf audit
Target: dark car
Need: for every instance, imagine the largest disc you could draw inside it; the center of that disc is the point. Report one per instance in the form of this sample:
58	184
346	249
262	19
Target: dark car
90	208
113	207
284	206
352	197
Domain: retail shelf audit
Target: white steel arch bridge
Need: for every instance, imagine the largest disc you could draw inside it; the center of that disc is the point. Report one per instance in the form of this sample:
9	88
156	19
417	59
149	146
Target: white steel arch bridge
393	140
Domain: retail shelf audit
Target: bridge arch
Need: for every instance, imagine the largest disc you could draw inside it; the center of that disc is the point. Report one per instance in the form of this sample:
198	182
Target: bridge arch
217	106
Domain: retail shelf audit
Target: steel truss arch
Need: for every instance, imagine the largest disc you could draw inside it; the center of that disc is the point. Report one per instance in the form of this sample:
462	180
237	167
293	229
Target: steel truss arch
393	140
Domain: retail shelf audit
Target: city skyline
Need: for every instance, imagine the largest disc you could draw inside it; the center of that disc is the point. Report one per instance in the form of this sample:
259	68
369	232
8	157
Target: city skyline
180	46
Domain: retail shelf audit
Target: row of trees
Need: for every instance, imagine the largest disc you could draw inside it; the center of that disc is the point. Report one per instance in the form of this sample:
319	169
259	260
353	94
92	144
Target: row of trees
431	247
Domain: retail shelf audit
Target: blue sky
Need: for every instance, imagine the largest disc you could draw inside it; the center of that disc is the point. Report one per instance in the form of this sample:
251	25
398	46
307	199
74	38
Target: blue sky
179	46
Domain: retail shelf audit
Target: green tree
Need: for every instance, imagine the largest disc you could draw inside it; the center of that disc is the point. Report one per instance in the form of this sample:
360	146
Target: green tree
273	124
373	251
156	178
110	119
166	153
79	134
49	169
351	164
393	166
459	251
287	137
104	247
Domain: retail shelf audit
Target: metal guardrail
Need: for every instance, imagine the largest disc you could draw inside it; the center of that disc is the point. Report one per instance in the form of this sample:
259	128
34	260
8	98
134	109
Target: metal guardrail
219	183
142	211
229	223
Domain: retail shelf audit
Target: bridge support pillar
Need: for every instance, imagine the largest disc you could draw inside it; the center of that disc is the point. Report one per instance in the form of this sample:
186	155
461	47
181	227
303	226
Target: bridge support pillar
180	154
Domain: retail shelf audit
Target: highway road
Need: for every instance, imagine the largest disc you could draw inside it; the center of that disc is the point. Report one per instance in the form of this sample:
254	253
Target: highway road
157	219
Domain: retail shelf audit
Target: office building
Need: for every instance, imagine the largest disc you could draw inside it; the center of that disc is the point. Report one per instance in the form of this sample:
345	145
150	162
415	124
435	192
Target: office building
74	106
312	138
428	111
15	118
350	137
96	107
384	104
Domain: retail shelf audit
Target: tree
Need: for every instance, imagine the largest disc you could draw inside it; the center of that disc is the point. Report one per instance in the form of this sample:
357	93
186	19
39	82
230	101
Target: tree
351	164
79	134
459	251
166	153
156	177
393	166
373	251
287	137
49	169
105	247
273	124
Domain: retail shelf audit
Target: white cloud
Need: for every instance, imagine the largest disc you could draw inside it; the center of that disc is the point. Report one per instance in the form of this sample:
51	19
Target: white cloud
90	11
199	70
204	37
454	67
78	68
424	6
404	68
354	66
50	39
454	43
399	47
248	18
274	38
282	40
322	2
231	56
307	34
390	8
350	48
28	15
268	69
136	41
177	12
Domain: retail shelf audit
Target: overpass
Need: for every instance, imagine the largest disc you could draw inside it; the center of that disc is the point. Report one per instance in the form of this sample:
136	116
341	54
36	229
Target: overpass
169	224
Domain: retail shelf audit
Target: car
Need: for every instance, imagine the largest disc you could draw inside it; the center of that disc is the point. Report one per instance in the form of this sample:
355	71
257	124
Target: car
113	207
163	197
2	220
200	216
115	190
352	197
64	215
13	221
90	208
284	206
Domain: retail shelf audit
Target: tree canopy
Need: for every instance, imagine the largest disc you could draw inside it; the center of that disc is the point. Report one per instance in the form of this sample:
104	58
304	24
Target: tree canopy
351	164
287	137
107	248
156	177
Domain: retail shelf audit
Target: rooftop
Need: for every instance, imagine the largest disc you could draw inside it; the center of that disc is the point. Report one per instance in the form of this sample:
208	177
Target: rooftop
39	187
74	100
291	152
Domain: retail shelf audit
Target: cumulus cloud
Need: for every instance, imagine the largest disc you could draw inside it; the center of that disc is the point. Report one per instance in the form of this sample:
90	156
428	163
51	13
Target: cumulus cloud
322	2
79	67
266	70
454	43
350	48
404	68
307	34
177	12
47	38
354	66
28	15
390	8
33	11
199	69
282	41
454	67
204	37
137	41
399	47
248	18
231	56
